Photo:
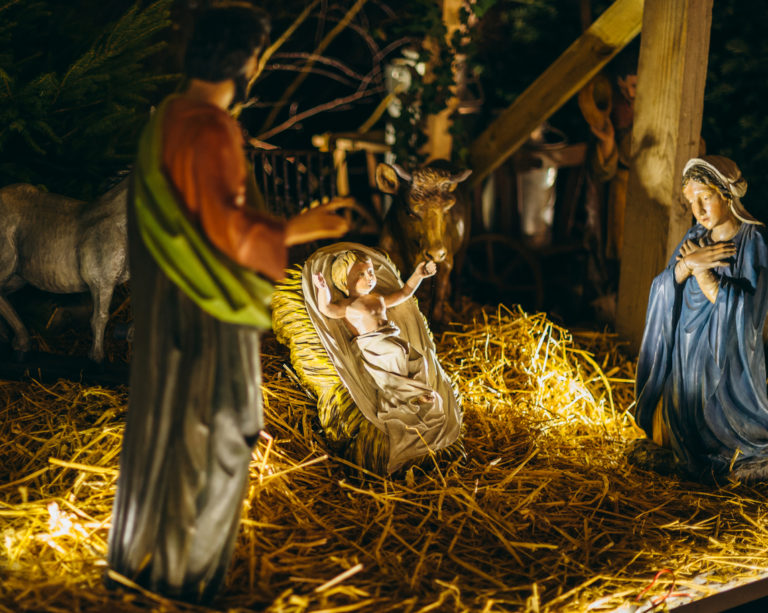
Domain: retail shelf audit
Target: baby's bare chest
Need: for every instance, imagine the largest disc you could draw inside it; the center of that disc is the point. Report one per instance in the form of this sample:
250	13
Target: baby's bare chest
370	305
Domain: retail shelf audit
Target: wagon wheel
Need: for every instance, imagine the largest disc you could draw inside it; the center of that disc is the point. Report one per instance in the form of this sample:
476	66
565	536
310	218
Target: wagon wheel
507	265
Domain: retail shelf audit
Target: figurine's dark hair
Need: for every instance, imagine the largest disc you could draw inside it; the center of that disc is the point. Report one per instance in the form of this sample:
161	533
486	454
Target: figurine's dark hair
625	62
223	40
703	175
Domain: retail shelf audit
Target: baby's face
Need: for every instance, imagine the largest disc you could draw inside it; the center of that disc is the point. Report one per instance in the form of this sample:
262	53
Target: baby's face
361	278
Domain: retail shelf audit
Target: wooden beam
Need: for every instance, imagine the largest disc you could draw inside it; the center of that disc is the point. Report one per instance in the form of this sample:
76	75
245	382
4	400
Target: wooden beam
570	72
666	133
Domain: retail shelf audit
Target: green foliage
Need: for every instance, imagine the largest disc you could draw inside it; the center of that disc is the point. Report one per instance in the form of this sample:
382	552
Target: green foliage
75	89
429	94
507	44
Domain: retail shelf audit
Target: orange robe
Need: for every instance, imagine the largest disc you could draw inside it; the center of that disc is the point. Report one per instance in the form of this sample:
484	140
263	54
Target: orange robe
203	158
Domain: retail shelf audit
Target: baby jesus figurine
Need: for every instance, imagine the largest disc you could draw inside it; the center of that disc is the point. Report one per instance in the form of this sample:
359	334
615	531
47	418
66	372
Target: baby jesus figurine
398	370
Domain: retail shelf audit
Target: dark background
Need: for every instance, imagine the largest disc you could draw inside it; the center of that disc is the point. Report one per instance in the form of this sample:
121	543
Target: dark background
78	80
75	87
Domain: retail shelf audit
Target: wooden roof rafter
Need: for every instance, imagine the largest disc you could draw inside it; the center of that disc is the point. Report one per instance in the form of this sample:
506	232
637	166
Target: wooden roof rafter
581	61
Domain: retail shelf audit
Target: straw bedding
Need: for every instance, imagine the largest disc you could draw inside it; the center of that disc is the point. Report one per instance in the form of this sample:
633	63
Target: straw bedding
545	514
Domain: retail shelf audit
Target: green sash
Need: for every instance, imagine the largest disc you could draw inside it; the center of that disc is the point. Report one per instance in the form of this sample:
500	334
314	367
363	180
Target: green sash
218	285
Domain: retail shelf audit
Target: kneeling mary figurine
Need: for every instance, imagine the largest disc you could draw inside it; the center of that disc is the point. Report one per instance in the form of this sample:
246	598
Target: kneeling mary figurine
701	384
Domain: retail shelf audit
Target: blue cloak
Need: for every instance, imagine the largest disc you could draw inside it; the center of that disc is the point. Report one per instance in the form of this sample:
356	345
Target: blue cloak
706	362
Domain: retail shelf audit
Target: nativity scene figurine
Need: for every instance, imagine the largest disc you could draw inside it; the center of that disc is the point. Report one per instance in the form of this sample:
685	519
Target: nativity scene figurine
363	347
203	256
701	383
429	219
398	370
62	245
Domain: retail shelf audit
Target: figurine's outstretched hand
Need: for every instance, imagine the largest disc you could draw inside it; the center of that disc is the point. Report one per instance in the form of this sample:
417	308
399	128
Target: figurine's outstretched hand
341	202
425	269
317	223
324	304
319	281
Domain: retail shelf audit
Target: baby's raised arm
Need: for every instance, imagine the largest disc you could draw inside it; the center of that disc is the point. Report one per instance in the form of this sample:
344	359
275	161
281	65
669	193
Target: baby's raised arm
324	304
423	270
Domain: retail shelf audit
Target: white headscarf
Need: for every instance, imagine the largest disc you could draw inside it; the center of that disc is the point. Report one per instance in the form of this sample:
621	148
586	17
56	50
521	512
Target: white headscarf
729	175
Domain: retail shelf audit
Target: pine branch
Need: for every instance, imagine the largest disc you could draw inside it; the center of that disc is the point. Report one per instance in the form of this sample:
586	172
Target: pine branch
67	121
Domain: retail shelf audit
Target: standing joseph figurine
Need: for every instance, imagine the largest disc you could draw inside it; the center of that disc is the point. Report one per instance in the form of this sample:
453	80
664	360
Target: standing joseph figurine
700	387
199	253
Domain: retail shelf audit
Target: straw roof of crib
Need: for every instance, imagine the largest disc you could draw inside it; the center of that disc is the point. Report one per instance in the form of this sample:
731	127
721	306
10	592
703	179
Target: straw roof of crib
545	514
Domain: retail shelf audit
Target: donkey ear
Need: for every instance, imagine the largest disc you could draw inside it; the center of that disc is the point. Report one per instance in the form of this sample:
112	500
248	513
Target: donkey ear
386	178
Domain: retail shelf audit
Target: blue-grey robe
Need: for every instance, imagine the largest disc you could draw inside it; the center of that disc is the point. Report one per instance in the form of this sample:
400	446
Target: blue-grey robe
706	360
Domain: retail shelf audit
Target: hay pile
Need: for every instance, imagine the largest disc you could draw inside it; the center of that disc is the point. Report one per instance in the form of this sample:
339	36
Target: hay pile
544	515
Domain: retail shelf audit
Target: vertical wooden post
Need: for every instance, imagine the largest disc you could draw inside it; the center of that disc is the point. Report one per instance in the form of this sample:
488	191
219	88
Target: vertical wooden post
665	134
342	173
